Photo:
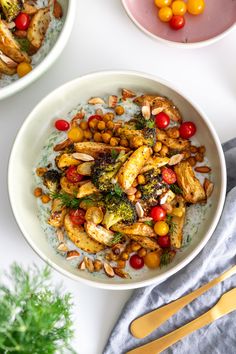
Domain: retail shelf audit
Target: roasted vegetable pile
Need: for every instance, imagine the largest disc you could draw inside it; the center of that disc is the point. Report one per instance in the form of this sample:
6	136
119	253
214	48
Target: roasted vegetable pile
120	188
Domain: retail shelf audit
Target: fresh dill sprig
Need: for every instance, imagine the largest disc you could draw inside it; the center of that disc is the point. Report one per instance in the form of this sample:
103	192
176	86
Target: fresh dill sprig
176	189
114	154
165	259
116	238
172	225
66	200
34	316
149	223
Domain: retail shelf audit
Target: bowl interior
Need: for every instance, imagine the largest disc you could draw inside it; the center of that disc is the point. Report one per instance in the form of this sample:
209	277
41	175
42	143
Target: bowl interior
31	139
218	17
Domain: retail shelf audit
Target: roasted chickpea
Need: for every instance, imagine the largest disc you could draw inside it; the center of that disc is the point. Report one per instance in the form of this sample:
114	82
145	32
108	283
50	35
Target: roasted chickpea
137	141
40	171
87	134
114	141
202	150
131	197
106	137
45	198
138	195
101	125
38	192
199	157
173	132
157	147
110	125
128	248
108	116
97	137
141	179
124	256
120	264
93	123
192	161
135	183
164	151
83	125
142	252
124	142
135	246
187	154
193	149
119	110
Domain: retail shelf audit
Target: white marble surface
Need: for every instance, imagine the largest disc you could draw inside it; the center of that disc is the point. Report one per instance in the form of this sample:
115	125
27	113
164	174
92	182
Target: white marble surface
104	38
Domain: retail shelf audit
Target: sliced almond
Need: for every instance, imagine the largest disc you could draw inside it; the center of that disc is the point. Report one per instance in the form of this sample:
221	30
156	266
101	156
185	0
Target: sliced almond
8	61
202	169
89	264
57	10
108	270
11	25
72	254
96	100
60	235
20	34
82	157
63	145
121	273
85	168
62	247
139	210
208	187
175	159
127	93
81	265
79	116
131	191
147	218
112	101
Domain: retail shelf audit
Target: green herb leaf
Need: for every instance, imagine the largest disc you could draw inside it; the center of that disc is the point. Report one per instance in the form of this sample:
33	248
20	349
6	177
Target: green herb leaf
149	223
165	259
117	190
24	44
172	225
35	316
116	238
176	189
66	200
114	154
150	124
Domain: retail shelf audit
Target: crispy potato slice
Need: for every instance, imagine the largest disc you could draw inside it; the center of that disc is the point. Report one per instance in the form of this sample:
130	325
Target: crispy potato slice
193	191
131	168
80	238
145	242
66	160
138	228
5	69
9	46
176	236
68	187
38	27
57	214
86	189
154	162
85	168
176	144
94	149
99	233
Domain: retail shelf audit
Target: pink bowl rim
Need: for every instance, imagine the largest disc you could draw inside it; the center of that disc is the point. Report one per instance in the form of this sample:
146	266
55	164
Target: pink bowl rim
177	44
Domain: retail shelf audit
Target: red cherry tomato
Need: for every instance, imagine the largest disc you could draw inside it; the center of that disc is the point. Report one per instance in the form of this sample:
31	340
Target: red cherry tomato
95	116
62	125
168	175
177	22
72	175
187	130
158	213
136	262
162	120
163	241
77	216
22	21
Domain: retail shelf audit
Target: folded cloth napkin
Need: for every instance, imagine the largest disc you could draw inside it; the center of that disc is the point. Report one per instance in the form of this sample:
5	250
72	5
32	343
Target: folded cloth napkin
217	256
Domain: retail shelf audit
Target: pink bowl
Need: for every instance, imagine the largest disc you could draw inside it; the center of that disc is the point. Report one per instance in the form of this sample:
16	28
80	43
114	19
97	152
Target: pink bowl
217	20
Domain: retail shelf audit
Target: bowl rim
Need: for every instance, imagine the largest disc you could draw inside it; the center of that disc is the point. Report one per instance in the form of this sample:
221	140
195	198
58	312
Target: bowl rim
199	44
137	284
50	58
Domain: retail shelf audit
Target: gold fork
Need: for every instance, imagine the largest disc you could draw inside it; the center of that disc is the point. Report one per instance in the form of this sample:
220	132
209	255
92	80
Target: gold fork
144	325
225	305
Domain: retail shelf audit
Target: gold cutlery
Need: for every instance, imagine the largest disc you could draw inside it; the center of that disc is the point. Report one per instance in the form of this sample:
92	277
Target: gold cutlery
144	325
225	305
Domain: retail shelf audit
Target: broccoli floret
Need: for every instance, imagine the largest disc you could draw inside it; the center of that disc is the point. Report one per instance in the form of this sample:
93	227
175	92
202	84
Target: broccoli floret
148	128
51	180
118	209
105	169
11	8
153	187
150	136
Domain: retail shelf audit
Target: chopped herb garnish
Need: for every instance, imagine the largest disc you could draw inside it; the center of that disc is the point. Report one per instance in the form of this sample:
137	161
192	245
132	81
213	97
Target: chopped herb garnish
114	154
24	44
117	190
172	225
150	124
165	259
116	238
149	223
176	189
66	200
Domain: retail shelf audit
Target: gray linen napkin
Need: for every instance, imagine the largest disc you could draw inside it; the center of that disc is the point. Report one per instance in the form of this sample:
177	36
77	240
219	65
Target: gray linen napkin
217	256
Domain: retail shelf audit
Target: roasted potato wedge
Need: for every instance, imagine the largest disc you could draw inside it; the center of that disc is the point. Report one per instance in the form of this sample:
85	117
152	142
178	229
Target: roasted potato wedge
57	214
193	192
99	233
85	168
138	228
5	69
86	189
80	238
154	162
38	27
95	149
145	242
176	144
176	236
66	160
70	188
132	167
9	46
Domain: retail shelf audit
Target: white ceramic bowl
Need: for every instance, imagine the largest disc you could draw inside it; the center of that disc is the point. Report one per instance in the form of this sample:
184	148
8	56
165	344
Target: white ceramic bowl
69	11
31	139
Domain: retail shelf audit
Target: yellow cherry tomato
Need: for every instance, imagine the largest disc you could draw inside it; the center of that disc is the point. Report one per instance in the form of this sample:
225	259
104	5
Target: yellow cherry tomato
76	134
23	69
195	7
161	228
162	3
165	14
152	260
179	8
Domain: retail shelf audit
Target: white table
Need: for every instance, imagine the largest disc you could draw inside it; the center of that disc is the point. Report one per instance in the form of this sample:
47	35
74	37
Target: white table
104	38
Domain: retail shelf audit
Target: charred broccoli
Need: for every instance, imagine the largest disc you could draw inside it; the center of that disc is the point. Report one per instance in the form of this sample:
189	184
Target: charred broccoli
153	187
118	209
105	169
11	8
147	126
150	136
51	180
